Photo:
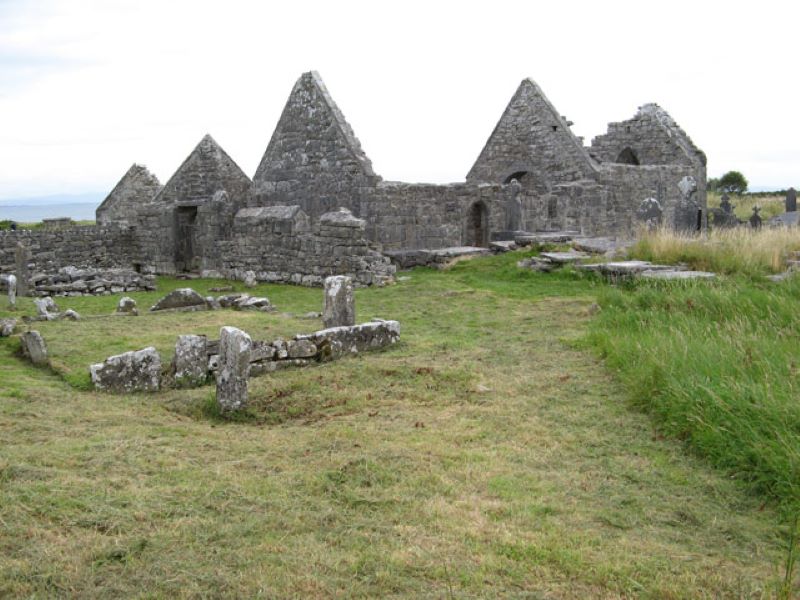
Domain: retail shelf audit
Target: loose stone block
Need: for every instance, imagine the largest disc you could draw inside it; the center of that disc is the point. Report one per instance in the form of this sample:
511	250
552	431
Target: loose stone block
46	308
7	327
339	306
138	371
191	361
234	369
180	298
127	306
34	348
301	349
71	315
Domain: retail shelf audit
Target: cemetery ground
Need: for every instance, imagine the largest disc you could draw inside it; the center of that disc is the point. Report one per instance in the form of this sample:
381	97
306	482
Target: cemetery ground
516	442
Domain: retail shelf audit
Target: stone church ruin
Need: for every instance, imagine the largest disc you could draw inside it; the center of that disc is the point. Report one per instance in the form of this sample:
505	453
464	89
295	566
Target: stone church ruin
315	207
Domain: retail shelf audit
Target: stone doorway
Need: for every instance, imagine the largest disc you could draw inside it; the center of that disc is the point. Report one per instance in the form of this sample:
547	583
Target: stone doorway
477	225
185	238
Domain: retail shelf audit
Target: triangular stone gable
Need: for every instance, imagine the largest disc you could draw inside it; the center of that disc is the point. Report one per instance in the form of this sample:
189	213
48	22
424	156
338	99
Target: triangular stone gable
137	187
312	138
531	137
206	171
652	136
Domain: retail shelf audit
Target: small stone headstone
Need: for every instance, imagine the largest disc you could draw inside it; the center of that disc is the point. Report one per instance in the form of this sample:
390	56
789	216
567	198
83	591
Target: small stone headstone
650	213
12	291
234	369
191	361
514	206
791	200
250	279
22	256
339	306
127	306
725	204
755	219
34	348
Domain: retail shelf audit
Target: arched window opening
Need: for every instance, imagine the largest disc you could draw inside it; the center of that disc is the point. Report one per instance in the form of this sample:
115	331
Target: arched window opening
519	175
628	157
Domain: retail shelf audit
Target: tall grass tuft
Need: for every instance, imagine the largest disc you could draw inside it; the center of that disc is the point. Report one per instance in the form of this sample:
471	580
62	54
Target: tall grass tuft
718	367
741	250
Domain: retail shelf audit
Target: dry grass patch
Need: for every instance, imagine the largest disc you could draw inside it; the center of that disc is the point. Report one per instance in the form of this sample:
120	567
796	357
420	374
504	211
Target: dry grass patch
740	250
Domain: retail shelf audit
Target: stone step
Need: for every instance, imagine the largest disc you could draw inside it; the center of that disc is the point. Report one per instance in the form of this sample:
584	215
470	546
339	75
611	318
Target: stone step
672	274
546	237
563	258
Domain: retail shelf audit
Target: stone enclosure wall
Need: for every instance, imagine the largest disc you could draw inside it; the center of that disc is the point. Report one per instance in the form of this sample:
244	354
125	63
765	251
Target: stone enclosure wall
50	250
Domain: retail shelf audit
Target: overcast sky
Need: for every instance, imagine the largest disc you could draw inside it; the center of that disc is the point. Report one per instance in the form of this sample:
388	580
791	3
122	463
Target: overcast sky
89	87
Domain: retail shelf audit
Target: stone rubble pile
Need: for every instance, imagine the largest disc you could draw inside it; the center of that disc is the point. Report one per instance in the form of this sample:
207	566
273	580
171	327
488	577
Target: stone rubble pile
72	281
187	299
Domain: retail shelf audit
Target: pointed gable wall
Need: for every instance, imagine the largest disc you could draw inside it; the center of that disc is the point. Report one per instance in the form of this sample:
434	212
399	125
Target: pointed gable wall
532	137
136	188
206	171
652	136
313	158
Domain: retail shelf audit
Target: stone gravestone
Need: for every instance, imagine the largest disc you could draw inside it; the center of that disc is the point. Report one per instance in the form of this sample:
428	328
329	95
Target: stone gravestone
724	215
650	213
791	200
22	256
234	369
12	291
686	213
755	219
191	361
339	308
34	348
514	207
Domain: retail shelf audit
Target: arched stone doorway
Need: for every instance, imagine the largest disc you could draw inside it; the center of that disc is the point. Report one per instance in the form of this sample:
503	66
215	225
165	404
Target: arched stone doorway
477	225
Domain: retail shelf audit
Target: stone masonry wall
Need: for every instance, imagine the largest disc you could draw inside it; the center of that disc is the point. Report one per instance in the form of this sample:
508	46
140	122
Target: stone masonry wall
653	137
313	158
414	216
136	188
277	244
532	137
93	246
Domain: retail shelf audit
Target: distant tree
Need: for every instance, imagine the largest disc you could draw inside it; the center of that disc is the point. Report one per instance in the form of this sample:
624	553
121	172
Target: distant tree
733	182
712	185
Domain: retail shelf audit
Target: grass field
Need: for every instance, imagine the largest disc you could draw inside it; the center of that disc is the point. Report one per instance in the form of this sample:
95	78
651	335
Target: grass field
490	454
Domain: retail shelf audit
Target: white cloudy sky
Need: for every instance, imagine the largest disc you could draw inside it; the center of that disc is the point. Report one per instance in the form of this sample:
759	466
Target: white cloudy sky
88	87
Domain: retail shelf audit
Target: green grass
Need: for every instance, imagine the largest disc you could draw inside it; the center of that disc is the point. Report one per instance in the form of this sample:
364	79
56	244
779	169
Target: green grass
717	366
486	455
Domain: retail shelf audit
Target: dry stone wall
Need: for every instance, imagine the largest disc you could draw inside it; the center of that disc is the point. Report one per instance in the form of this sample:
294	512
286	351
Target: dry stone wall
85	247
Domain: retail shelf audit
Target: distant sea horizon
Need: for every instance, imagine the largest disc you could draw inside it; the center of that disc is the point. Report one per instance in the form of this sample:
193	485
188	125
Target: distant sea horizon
79	207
